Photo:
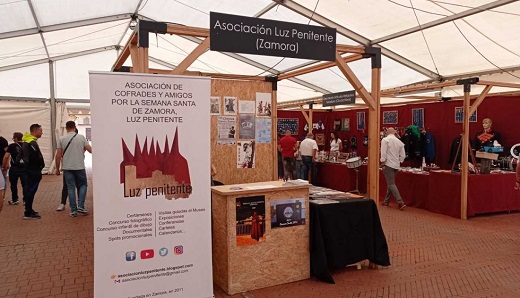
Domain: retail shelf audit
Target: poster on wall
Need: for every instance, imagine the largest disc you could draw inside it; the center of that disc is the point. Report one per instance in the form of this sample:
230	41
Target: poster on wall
290	124
345	124
263	130
390	117
336	125
246	107
246	127
418	117
88	133
360	120
459	115
250	220
246	154
287	213
226	127
230	105
152	208
263	104
214	105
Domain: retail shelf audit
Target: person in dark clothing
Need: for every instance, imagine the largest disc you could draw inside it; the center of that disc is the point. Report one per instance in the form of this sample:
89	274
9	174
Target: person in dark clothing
34	163
16	169
3	149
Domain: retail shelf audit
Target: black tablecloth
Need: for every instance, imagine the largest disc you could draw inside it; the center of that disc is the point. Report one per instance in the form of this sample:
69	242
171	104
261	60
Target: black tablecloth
345	233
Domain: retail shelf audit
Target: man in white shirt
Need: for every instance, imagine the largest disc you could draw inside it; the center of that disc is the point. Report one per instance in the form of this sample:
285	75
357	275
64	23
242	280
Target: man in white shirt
308	149
392	155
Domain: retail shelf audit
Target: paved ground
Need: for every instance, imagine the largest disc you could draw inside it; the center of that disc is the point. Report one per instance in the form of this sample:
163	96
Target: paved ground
432	256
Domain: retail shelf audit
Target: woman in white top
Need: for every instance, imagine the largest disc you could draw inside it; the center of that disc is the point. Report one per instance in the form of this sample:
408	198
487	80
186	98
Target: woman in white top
335	143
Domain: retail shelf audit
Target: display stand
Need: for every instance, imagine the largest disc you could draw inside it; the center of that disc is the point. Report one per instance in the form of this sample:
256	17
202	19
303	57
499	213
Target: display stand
457	156
282	256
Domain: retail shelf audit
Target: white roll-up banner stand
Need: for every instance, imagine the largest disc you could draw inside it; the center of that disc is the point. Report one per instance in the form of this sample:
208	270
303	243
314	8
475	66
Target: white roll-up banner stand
151	181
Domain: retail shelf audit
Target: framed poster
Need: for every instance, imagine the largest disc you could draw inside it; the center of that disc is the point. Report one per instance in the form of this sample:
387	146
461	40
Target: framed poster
459	115
345	124
390	117
320	139
361	120
418	117
287	124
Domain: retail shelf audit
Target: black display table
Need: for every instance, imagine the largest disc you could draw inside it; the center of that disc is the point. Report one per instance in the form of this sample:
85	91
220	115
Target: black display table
345	233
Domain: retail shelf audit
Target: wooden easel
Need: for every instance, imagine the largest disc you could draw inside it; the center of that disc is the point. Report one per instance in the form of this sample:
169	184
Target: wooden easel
470	153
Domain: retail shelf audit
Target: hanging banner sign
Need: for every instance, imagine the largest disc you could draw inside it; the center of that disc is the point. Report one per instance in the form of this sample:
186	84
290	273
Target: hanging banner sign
340	98
239	34
152	209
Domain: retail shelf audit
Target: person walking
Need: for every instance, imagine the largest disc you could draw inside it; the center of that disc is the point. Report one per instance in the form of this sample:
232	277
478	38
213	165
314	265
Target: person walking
308	149
392	155
33	160
16	169
71	149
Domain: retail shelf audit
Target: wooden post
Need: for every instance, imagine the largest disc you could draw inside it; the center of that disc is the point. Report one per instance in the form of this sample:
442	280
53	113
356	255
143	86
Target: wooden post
464	161
373	137
274	132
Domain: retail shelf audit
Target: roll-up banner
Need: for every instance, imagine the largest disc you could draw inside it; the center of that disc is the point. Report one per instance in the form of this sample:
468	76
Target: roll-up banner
151	181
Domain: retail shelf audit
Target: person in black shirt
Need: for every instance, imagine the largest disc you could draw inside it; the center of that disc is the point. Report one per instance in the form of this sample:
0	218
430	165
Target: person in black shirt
34	163
16	169
3	148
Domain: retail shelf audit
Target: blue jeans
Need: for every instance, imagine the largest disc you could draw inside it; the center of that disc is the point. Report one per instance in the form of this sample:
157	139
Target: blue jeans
308	164
76	179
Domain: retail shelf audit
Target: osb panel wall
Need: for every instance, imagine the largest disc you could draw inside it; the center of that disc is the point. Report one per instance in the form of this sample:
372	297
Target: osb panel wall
282	258
219	235
224	157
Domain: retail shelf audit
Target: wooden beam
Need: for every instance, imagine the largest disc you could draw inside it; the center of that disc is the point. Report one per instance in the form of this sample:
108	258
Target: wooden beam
464	161
134	56
479	99
199	50
125	52
142	60
187	30
343	48
394	91
373	137
205	74
317	67
306	116
499	84
354	81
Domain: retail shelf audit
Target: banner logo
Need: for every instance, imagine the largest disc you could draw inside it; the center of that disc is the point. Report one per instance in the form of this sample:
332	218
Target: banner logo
150	171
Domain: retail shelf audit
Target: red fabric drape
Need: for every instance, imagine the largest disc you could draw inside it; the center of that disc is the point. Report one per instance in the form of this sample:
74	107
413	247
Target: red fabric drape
439	119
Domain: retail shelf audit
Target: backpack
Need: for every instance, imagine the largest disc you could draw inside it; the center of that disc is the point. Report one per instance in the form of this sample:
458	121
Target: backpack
21	160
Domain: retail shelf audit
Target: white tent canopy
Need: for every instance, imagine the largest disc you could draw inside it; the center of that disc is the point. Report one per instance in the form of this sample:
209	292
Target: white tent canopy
421	41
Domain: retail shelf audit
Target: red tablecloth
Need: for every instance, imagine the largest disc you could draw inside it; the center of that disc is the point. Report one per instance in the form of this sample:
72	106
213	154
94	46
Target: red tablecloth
439	192
337	176
412	187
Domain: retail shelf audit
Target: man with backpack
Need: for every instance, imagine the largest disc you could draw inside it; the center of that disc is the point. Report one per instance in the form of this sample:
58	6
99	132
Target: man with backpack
71	149
32	158
12	162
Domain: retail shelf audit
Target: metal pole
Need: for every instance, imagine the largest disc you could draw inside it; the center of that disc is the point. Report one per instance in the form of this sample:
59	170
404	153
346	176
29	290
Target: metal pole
53	106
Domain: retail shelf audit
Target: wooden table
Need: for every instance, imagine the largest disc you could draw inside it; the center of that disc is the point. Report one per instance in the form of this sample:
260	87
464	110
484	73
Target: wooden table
280	257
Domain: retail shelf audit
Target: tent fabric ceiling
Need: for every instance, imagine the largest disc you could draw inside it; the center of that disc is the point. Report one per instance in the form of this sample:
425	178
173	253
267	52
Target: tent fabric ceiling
86	36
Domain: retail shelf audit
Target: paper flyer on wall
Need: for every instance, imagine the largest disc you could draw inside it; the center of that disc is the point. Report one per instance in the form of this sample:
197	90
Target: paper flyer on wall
263	104
230	105
245	154
246	127
246	107
152	209
226	127
214	105
263	130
